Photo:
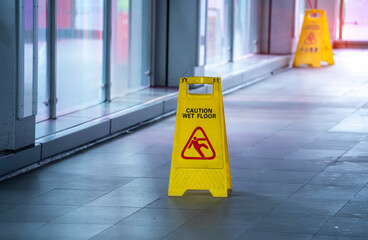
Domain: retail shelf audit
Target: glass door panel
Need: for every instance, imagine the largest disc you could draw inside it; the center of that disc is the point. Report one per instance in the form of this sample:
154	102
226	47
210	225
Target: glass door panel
79	54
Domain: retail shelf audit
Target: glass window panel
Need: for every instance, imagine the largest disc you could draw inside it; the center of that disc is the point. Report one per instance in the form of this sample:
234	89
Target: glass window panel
355	20
28	58
217	37
43	92
79	54
130	46
241	28
202	33
119	47
245	27
299	17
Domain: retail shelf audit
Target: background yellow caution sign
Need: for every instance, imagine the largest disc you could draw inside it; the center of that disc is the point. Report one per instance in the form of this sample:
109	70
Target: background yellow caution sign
314	43
200	159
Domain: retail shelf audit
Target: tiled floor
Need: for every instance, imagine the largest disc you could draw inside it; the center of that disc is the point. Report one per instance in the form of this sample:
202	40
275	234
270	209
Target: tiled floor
299	160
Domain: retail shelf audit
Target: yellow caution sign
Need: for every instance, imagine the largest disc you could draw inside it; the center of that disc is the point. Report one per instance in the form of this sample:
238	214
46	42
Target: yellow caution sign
200	159
314	43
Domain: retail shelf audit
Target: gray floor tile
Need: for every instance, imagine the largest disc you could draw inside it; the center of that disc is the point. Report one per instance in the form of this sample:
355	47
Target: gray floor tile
241	174
4	207
67	197
159	217
344	226
326	192
148	160
126	199
249	235
33	180
313	207
19	195
316	154
350	167
261	151
159	149
204	234
17	230
228	220
256	188
66	231
354	123
133	165
122	146
134	232
276	176
331	144
34	213
362	195
289	223
97	183
282	164
185	202
96	215
249	203
359	152
342	136
354	209
146	186
341	179
160	172
322	237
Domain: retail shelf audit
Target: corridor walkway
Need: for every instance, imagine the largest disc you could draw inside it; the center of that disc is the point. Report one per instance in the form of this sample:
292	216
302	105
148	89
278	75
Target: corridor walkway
298	146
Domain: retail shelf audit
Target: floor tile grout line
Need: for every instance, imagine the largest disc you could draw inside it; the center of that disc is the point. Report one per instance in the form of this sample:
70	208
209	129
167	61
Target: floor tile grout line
182	225
116	224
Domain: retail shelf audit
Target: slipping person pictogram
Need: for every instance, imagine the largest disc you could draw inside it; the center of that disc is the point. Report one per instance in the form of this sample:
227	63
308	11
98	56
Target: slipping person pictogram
311	39
198	141
195	143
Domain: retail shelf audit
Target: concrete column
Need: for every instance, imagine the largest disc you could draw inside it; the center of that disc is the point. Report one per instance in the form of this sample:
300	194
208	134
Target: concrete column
182	39
282	26
14	133
160	44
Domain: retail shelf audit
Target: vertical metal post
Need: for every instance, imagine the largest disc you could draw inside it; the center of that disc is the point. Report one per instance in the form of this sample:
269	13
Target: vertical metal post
20	61
51	55
152	44
130	41
232	28
201	39
205	30
106	49
341	17
269	27
35	57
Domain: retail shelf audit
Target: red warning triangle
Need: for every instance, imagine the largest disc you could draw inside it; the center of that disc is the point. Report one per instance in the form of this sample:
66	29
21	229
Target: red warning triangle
198	146
311	39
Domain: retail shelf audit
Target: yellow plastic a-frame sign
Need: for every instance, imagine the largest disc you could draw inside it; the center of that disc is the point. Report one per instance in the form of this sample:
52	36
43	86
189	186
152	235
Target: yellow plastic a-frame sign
314	43
200	159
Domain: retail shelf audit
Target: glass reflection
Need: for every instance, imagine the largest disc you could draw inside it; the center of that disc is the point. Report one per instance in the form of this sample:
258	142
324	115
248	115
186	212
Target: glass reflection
28	58
79	54
130	46
217	37
43	93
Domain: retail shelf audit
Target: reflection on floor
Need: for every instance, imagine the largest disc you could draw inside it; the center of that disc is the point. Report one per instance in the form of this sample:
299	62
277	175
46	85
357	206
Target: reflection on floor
298	155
